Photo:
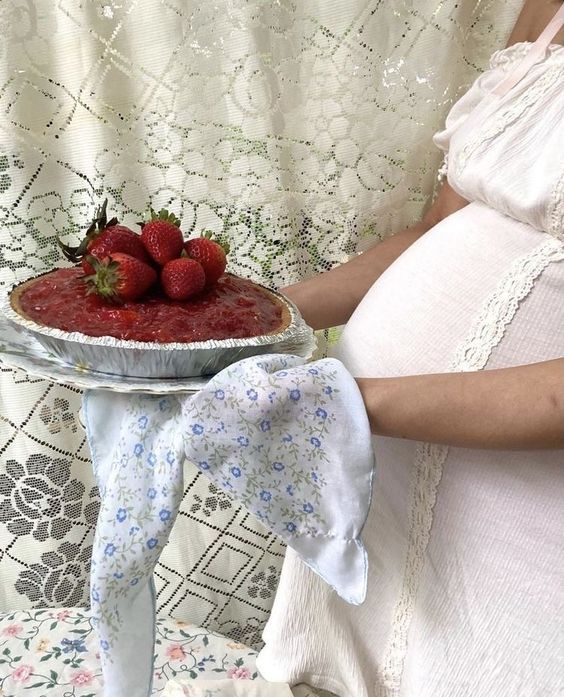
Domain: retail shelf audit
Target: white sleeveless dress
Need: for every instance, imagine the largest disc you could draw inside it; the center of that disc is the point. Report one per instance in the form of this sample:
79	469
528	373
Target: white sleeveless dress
466	547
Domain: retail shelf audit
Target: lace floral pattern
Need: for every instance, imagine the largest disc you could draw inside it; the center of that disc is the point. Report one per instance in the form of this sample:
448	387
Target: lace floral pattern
39	498
62	576
262	121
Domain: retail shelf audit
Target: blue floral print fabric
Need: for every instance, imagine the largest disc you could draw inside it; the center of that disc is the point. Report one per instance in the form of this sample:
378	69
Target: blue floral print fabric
137	459
290	441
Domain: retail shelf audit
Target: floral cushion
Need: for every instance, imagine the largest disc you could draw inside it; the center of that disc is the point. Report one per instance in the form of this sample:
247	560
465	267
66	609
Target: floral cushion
54	652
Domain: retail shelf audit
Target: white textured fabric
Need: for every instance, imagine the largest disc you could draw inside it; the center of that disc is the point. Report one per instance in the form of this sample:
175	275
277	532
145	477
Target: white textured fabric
524	125
465	593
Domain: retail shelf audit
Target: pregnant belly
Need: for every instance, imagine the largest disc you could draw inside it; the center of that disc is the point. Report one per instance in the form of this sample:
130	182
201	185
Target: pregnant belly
424	306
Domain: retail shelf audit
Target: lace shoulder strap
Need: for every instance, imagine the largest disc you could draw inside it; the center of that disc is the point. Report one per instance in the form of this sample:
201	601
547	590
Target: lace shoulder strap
535	53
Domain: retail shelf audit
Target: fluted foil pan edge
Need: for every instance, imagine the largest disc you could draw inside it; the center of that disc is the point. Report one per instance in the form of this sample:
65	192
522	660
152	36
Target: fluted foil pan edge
114	356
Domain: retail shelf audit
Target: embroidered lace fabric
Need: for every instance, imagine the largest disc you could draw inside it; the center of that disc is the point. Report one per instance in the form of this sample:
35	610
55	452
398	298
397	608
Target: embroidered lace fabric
260	120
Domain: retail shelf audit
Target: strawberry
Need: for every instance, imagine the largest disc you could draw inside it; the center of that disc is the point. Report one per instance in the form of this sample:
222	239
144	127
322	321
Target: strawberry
181	278
211	254
116	238
120	277
162	237
102	238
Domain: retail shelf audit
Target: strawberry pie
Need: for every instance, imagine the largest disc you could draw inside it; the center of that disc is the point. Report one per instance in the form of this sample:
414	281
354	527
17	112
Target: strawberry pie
232	308
152	304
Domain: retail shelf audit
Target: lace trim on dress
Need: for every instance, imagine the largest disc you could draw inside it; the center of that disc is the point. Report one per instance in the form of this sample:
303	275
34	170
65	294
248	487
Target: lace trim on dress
555	209
488	330
443	169
507	114
425	477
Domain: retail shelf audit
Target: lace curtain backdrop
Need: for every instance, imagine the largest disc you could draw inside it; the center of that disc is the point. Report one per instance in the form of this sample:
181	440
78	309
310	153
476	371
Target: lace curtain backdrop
299	129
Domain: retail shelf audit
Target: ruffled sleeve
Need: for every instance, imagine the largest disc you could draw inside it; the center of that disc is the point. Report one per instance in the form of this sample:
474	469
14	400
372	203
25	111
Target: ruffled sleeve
505	146
500	64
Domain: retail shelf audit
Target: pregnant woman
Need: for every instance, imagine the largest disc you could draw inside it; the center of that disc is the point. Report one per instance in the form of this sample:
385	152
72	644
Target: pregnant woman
455	331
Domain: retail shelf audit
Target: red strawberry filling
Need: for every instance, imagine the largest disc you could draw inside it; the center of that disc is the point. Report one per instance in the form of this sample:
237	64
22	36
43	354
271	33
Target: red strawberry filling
232	308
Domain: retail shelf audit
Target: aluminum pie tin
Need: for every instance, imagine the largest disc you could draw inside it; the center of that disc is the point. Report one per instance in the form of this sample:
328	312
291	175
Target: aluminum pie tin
106	354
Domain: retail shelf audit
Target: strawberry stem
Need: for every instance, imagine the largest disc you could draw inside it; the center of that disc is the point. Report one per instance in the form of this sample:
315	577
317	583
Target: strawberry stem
104	279
99	223
163	214
221	241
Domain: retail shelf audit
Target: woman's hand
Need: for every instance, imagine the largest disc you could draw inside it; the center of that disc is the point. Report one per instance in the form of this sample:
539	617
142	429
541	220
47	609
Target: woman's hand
518	408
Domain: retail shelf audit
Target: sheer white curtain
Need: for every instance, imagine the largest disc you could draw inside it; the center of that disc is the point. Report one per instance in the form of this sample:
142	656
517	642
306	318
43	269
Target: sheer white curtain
299	129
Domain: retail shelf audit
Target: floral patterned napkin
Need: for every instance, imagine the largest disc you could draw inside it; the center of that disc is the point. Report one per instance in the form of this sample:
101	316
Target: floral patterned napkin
137	460
290	440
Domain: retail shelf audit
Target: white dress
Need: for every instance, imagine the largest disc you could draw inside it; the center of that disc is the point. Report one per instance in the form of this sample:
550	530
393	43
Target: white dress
466	547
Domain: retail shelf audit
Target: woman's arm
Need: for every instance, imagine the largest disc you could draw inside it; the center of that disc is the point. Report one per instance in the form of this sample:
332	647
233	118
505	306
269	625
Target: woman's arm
533	18
329	299
517	408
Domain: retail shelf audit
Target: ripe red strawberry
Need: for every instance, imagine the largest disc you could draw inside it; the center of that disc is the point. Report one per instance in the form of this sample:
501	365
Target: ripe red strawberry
117	238
120	277
181	278
210	253
162	237
102	238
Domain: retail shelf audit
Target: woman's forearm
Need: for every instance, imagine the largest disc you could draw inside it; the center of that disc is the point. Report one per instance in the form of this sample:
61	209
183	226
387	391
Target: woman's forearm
329	299
516	408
